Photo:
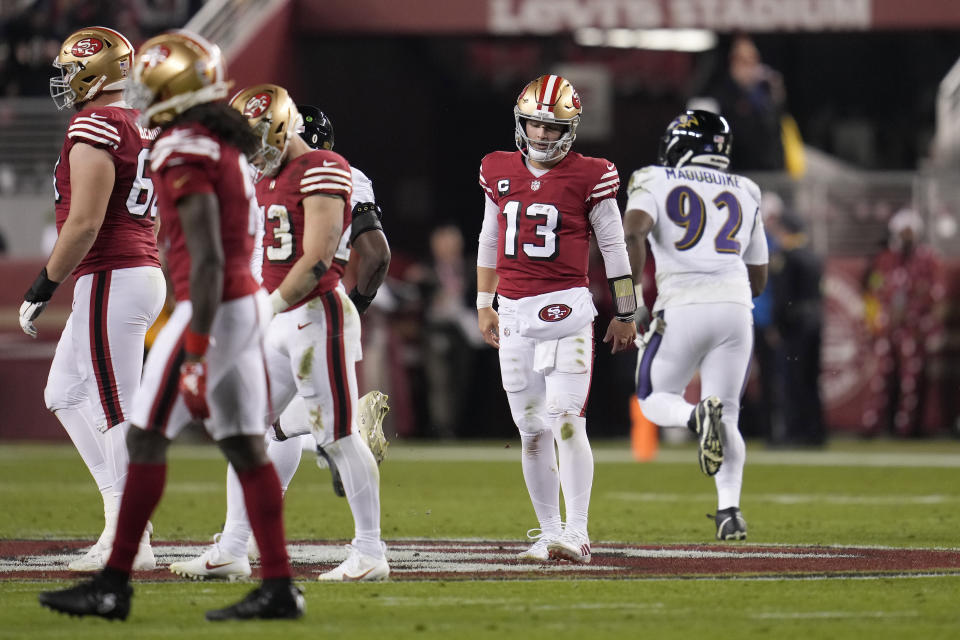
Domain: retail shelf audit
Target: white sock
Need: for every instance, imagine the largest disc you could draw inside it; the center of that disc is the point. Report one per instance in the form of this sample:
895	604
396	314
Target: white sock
236	529
117	460
539	461
361	482
729	479
92	447
285	456
576	469
666	409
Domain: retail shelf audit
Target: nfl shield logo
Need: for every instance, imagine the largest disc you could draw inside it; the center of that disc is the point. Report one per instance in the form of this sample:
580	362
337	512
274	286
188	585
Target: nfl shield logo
535	185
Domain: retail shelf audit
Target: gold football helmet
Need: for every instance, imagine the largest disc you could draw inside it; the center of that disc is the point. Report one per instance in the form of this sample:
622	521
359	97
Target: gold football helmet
551	99
175	70
90	61
274	118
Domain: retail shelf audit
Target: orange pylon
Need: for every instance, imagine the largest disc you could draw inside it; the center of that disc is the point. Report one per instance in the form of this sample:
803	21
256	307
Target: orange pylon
644	435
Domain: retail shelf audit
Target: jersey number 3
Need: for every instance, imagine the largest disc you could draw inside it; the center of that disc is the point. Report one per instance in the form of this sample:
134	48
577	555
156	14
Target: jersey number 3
546	217
686	209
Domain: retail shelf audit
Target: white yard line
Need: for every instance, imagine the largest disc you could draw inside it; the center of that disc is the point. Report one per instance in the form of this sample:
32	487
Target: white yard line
788	498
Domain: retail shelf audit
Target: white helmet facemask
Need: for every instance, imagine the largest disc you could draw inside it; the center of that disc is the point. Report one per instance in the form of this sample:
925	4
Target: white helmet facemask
555	149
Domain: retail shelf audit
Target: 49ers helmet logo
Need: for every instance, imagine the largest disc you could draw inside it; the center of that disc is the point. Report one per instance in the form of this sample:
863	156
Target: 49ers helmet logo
257	105
154	56
554	312
86	47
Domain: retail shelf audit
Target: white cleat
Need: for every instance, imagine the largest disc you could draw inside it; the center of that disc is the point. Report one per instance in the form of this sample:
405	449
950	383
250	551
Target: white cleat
213	563
358	567
572	545
538	552
95	558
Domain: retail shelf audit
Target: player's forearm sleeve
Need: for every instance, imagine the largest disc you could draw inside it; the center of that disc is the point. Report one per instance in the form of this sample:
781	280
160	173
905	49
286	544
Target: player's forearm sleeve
608	228
487	248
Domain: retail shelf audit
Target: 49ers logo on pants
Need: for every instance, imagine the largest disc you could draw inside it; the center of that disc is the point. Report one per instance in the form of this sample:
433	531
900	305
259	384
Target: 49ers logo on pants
554	312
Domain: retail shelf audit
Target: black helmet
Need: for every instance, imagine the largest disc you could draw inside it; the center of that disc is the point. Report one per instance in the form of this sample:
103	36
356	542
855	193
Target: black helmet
696	137
317	128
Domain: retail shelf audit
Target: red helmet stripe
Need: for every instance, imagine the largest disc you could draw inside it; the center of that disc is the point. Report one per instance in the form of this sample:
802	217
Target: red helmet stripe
555	94
548	93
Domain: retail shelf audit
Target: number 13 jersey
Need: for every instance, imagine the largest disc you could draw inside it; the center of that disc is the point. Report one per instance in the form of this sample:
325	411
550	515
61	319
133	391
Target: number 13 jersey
707	228
543	242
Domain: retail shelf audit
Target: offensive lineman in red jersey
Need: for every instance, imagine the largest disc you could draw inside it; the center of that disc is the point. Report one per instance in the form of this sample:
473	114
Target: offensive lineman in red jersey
542	203
104	211
211	349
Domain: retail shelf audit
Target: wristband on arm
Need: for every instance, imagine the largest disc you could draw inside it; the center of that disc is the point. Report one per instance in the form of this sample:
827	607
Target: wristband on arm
279	304
195	344
624	298
485	299
360	301
42	288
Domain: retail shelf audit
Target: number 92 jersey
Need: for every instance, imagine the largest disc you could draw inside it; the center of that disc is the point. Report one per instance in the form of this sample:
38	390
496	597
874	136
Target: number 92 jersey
544	222
707	228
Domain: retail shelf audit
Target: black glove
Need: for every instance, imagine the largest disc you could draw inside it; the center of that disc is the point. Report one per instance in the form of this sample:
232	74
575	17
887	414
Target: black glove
360	301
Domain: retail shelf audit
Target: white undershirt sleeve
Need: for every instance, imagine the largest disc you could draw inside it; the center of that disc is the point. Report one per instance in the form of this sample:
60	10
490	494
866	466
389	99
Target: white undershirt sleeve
608	227
487	248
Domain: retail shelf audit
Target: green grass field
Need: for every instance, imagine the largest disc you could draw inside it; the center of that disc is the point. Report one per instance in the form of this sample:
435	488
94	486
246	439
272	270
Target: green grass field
896	494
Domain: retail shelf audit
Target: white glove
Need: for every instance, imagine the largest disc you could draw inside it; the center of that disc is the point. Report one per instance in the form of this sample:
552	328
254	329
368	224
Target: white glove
28	313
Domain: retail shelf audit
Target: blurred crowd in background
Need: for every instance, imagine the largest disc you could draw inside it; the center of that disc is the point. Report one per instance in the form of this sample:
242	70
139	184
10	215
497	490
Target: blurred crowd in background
421	344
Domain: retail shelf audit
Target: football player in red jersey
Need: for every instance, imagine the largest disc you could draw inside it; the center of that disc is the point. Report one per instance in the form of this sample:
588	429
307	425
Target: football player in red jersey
288	201
104	212
542	204
207	363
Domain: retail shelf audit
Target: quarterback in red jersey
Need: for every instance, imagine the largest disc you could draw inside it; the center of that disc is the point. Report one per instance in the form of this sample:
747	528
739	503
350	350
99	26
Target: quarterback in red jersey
105	206
542	203
207	362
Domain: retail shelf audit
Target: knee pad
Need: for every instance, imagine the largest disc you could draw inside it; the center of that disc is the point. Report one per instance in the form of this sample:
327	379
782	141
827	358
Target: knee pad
530	425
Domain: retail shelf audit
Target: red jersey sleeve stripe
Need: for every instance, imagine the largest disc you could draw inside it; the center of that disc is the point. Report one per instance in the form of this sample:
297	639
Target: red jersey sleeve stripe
184	144
107	132
321	186
100	121
601	185
327	171
90	137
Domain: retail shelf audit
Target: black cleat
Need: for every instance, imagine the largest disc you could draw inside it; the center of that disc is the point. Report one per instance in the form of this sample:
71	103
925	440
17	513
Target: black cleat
93	597
337	482
264	603
730	524
705	423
